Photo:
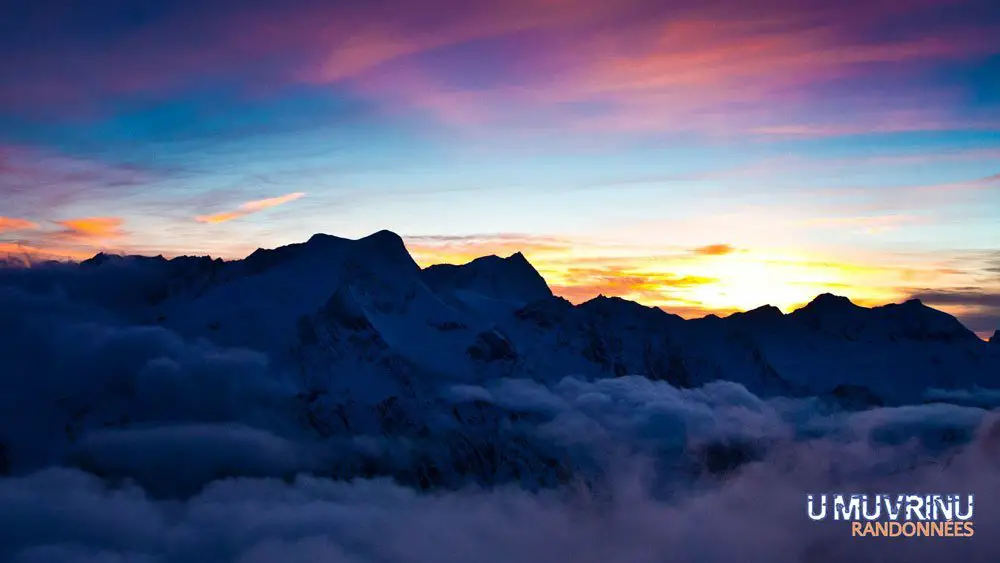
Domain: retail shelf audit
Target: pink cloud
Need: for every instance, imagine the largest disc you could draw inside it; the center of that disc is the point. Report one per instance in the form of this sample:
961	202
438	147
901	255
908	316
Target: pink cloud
638	64
701	72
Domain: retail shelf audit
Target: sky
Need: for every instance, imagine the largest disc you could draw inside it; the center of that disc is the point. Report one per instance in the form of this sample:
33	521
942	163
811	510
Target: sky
705	157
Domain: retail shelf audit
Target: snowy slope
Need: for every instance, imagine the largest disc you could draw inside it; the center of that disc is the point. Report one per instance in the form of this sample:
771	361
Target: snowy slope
489	284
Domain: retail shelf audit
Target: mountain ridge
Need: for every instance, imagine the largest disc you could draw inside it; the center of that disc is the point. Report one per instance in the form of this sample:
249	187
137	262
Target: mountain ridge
442	274
349	342
497	317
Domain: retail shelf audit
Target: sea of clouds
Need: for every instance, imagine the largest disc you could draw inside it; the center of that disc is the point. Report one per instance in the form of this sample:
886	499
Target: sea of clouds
121	441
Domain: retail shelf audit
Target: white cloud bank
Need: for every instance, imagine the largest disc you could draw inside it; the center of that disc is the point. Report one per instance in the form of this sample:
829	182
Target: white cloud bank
131	443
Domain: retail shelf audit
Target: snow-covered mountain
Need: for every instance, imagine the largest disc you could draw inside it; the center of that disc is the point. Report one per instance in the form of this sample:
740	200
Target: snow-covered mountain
496	317
490	283
434	376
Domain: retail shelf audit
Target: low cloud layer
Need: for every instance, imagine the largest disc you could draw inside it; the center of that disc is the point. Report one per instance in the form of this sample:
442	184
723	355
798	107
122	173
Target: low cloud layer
758	515
124	441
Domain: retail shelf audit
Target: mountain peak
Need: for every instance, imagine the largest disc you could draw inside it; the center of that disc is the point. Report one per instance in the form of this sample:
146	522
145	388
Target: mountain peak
384	239
98	259
104	258
762	312
607	305
915	320
995	339
829	312
382	243
910	320
503	278
831	302
517	259
323	238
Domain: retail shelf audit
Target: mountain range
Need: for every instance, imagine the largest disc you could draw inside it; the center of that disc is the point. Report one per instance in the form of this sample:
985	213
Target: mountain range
496	316
406	369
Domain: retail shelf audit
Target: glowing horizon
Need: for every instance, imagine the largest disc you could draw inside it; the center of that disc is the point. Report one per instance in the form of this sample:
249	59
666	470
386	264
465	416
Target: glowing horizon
711	280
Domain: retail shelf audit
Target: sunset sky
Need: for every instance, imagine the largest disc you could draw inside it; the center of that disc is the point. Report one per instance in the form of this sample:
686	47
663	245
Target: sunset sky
704	156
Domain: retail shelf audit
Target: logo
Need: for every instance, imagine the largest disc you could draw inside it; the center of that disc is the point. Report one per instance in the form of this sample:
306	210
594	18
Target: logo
908	515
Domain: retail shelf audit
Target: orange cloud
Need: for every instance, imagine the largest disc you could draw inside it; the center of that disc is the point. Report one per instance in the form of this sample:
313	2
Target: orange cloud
651	288
26	254
715	250
249	207
78	239
687	281
91	228
571	267
15	224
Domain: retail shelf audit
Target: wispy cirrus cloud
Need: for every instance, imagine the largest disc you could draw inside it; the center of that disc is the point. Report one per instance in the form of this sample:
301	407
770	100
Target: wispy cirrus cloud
635	65
870	224
991	182
249	208
36	180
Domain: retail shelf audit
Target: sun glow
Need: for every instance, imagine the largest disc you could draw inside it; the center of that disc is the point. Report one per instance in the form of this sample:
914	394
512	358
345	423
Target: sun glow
749	281
787	280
